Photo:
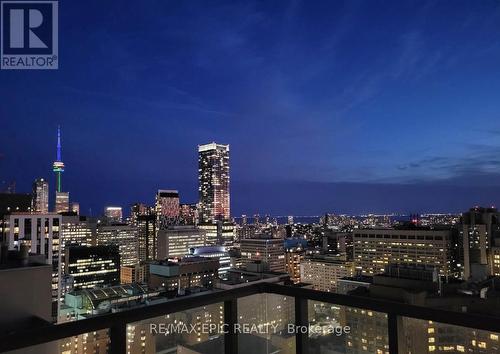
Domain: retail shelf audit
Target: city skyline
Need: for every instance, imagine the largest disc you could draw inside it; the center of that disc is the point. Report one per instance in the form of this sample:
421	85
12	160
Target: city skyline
412	127
352	193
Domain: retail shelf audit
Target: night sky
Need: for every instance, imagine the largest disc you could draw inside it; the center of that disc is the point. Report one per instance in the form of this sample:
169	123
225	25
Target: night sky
345	107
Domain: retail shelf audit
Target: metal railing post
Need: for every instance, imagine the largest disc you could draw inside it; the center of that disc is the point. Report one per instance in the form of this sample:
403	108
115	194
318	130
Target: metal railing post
301	321
118	339
230	319
392	331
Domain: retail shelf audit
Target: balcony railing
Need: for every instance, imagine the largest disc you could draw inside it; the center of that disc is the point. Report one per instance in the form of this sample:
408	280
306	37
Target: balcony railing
116	323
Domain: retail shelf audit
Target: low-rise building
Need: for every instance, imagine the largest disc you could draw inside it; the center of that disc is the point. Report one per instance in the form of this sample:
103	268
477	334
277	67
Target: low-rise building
183	274
324	271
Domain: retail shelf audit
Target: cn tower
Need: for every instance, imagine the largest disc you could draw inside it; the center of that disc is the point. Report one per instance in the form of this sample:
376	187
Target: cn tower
58	165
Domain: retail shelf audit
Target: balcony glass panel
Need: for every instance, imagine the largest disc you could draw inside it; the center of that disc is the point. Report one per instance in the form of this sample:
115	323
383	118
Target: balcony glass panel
87	343
420	336
263	321
342	329
195	331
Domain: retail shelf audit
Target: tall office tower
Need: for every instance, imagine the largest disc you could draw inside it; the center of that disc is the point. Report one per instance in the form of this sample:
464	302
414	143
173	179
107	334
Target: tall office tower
40	232
74	231
188	214
176	241
40	202
376	248
125	237
269	251
113	214
58	165
213	179
480	238
167	207
77	230
62	202
94	265
290	220
146	232
244	220
323	272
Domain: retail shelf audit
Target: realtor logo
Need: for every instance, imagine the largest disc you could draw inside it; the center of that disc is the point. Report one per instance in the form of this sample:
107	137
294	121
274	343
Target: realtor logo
29	35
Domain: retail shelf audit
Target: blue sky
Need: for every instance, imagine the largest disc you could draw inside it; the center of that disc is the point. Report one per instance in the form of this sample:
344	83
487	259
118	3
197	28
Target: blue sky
345	95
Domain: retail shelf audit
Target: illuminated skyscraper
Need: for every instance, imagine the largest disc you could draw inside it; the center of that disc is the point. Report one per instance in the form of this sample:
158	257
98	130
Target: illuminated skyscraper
62	202
146	236
40	201
188	214
113	213
125	237
76	230
58	165
167	206
213	178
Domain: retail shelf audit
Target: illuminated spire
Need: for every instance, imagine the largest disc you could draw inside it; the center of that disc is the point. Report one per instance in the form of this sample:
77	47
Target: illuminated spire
58	143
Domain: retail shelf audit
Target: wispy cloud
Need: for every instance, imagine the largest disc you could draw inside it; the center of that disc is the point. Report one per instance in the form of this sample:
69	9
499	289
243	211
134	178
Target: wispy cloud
480	165
194	104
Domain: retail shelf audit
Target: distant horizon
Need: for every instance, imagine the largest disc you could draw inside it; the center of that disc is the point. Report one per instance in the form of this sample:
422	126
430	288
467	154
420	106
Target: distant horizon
247	203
